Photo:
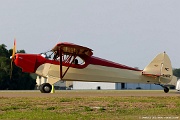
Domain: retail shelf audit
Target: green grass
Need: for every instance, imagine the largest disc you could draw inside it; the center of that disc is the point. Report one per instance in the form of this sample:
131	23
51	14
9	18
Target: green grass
88	108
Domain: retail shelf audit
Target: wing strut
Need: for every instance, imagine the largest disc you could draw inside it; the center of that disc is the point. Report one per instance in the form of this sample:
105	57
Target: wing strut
61	62
60	55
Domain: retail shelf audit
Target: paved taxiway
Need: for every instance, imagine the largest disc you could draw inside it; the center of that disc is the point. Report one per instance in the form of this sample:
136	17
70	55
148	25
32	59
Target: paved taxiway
87	93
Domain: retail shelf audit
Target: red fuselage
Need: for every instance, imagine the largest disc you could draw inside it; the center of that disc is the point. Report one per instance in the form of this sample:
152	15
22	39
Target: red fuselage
30	62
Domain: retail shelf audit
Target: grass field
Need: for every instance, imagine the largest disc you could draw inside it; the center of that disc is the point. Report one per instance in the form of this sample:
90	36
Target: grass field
89	105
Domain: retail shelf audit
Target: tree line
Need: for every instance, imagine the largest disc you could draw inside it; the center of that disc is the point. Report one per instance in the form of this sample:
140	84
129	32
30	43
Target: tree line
19	80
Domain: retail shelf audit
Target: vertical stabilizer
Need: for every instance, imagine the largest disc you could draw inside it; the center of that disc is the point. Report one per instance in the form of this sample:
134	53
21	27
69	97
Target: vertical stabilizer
160	67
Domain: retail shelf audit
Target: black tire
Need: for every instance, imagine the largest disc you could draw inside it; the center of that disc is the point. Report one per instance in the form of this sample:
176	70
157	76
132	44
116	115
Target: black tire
166	89
45	88
41	89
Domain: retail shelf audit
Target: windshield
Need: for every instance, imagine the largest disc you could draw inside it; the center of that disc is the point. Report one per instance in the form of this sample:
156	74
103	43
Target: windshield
48	55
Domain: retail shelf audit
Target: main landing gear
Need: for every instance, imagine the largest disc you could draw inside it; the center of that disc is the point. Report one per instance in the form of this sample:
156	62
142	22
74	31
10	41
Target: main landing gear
166	89
45	88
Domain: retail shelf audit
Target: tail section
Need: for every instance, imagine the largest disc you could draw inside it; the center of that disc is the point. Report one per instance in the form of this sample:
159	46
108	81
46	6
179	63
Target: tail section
160	67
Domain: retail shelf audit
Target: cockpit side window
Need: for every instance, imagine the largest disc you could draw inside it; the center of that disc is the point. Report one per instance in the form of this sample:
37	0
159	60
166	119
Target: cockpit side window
73	59
79	61
66	58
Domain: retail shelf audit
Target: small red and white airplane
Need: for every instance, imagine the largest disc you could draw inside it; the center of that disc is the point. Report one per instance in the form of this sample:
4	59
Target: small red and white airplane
71	62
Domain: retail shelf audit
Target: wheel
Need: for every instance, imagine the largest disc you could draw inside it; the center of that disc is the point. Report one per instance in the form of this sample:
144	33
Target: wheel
41	89
166	89
45	88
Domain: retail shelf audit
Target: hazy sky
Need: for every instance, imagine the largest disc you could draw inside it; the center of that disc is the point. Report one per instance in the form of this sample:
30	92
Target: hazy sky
130	32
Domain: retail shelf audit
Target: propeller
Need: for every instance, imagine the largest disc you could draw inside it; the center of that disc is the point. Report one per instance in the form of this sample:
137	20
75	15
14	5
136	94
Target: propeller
13	57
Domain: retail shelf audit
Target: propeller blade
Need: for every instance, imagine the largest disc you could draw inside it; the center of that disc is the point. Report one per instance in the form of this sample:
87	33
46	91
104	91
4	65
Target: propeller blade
14	50
13	57
11	69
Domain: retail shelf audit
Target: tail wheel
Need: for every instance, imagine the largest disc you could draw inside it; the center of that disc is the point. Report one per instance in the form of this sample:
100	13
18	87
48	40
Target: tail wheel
45	88
166	89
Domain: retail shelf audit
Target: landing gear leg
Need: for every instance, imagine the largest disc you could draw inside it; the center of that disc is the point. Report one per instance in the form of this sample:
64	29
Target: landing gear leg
166	89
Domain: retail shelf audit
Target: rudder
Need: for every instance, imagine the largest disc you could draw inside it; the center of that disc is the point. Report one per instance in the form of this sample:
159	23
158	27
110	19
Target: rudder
160	67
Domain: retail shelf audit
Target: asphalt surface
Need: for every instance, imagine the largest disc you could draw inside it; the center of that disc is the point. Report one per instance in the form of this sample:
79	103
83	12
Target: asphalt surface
88	93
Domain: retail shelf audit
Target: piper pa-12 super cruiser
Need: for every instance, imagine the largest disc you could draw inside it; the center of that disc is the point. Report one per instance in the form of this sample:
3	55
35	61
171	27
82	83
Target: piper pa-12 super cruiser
71	62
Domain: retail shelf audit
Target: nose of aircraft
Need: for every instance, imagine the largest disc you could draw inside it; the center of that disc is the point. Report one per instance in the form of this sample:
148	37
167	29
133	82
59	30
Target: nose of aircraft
26	62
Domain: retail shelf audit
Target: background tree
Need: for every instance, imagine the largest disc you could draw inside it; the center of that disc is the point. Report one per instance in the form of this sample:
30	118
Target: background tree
19	80
3	51
176	72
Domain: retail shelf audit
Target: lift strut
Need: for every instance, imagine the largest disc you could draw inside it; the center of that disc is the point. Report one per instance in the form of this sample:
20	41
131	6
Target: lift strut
61	64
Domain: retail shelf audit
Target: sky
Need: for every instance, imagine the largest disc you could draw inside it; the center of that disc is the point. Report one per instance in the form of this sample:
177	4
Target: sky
130	32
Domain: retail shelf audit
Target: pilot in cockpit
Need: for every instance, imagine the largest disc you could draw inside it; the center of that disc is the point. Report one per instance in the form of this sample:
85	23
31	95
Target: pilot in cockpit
76	61
55	55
